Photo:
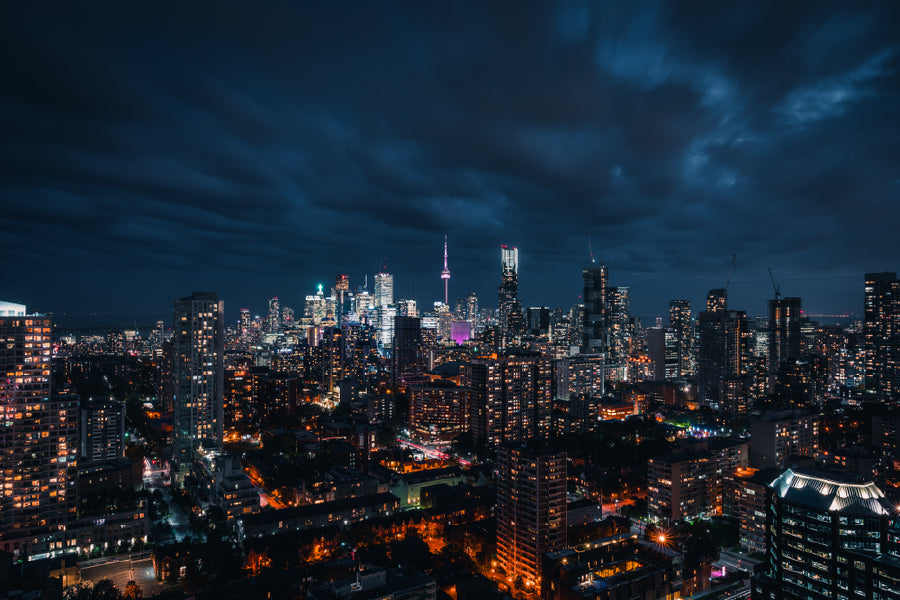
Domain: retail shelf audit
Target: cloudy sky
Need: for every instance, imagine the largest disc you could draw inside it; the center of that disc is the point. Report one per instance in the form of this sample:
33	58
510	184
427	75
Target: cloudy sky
259	148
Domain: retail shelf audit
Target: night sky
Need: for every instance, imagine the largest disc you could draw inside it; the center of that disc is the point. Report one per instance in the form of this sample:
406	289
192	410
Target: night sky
257	149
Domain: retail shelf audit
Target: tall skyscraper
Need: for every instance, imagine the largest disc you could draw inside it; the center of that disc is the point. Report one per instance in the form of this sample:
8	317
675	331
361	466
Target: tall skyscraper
619	325
682	336
38	439
510	397
384	289
595	324
340	293
724	351
199	345
445	275
472	308
512	321
407	349
531	508
784	335
882	335
273	322
717	300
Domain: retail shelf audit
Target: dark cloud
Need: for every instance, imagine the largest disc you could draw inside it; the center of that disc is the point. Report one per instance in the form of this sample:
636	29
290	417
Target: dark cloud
259	149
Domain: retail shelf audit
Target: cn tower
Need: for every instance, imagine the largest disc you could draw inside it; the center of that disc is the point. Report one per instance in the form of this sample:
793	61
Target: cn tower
445	274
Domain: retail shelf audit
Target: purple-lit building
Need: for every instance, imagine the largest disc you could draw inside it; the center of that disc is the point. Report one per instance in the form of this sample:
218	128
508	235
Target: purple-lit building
460	331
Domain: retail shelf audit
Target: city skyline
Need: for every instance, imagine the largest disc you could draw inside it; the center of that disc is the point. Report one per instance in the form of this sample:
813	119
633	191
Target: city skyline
291	143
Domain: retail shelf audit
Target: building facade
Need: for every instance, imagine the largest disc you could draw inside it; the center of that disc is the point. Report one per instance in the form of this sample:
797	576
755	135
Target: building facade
531	509
38	441
881	329
199	375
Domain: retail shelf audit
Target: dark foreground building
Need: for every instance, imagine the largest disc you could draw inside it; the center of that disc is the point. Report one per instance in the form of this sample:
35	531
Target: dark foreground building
829	535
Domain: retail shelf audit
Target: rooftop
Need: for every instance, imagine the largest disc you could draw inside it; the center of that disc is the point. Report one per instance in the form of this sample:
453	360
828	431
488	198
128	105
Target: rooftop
831	491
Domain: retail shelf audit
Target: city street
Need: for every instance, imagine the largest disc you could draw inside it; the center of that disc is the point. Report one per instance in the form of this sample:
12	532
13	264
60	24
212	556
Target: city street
121	571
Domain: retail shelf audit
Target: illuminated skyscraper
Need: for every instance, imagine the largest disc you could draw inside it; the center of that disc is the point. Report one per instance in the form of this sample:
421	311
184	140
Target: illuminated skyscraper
717	300
784	335
472	308
384	289
273	322
531	508
682	336
340	292
723	355
199	374
38	440
512	321
595	323
619	325
510	397
882	335
445	274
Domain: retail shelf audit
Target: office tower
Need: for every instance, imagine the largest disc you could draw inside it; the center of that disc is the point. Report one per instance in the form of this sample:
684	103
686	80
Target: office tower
656	353
245	321
531	508
384	289
472	308
512	322
539	320
332	344
882	335
595	317
680	326
407	349
273	322
688	484
830	535
784	335
619	324
509	397
407	308
779	436
723	355
199	374
717	300
102	426
445	275
340	292
38	439
287	318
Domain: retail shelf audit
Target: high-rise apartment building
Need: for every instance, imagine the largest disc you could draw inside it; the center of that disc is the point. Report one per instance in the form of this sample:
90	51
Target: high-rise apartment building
620	330
102	427
595	323
273	320
682	338
829	536
512	321
784	335
531	508
509	397
199	374
38	440
723	357
689	483
882	335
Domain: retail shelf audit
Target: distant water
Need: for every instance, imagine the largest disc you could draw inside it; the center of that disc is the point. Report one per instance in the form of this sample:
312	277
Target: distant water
108	321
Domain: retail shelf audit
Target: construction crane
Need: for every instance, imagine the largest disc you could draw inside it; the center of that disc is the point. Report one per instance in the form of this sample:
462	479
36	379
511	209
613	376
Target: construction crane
774	285
730	272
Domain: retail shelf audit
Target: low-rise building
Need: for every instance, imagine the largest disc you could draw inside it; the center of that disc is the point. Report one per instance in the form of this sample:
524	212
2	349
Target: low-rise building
341	512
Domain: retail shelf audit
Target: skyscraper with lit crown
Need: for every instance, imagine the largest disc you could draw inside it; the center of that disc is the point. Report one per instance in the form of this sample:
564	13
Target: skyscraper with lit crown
512	321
